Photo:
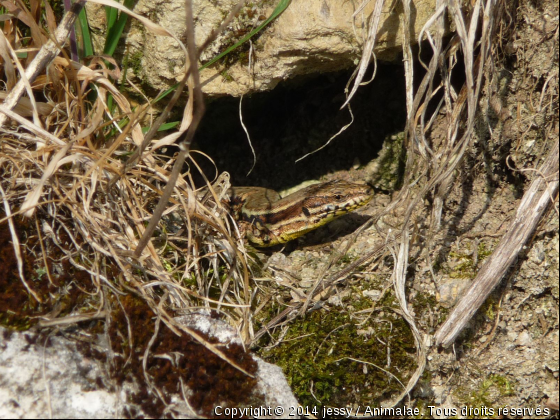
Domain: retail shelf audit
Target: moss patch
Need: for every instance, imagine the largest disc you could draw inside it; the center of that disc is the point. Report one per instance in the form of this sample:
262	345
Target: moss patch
490	390
330	359
172	360
63	292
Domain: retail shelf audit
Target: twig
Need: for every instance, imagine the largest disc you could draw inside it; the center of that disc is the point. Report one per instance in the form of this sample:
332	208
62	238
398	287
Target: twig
535	201
184	146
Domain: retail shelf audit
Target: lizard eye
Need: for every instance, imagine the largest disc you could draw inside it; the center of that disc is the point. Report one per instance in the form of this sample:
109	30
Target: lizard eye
338	197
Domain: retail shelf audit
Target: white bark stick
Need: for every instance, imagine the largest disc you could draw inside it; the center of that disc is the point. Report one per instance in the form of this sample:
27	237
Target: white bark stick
540	194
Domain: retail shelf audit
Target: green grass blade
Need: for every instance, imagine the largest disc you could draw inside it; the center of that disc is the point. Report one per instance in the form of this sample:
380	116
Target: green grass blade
111	104
111	15
87	45
115	30
275	13
163	127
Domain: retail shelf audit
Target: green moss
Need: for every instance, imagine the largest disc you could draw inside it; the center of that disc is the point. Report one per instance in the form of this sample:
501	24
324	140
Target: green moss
331	360
391	160
490	390
40	271
167	265
489	308
422	303
134	62
483	252
226	76
466	268
190	281
463	270
503	384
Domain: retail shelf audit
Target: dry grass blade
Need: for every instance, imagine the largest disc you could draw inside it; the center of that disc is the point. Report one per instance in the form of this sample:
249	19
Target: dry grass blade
367	51
421	341
342	129
247	134
45	55
30	202
26	108
16	245
73	319
24	80
45	135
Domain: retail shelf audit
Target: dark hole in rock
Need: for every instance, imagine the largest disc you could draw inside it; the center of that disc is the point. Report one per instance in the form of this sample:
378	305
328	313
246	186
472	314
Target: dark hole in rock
296	118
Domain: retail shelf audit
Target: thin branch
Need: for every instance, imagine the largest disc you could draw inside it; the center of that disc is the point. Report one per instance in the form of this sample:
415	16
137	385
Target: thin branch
536	200
195	93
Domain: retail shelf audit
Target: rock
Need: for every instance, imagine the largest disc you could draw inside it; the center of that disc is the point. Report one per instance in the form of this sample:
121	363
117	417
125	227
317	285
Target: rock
58	381
52	380
523	339
374	295
450	290
310	36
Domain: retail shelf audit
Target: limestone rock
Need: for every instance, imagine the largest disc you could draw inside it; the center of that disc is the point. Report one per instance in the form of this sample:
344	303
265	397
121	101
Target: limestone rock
310	36
44	377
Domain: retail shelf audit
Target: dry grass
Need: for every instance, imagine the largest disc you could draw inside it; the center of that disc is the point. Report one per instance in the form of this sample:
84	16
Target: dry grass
91	180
